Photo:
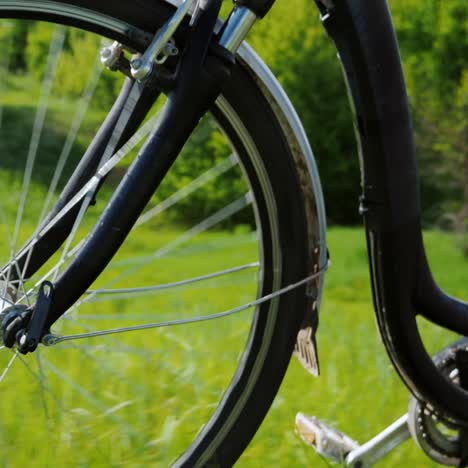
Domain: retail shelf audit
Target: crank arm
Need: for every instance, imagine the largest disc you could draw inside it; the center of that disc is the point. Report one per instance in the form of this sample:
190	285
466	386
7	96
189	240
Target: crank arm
339	447
197	84
380	445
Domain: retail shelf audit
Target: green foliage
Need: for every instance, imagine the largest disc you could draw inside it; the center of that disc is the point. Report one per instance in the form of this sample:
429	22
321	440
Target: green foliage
17	45
358	391
38	41
159	387
77	61
434	42
293	43
207	148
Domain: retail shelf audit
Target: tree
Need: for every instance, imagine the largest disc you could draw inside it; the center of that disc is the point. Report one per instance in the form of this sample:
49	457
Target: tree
434	41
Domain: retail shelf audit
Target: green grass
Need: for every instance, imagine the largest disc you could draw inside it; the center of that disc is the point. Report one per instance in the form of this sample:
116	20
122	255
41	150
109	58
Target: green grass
139	399
163	384
358	390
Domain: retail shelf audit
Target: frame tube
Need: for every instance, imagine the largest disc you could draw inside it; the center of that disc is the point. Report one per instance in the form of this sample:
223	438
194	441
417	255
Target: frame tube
198	84
402	283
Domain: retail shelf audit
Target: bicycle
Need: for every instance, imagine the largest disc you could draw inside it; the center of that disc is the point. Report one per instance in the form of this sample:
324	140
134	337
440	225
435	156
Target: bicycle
201	64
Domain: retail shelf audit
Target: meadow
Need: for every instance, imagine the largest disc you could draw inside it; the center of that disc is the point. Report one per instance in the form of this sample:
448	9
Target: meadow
358	391
154	390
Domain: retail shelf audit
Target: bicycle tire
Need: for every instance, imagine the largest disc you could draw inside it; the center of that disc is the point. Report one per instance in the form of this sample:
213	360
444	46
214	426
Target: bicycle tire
291	240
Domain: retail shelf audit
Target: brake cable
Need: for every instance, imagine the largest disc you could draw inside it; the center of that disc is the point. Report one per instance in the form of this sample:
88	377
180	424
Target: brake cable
51	339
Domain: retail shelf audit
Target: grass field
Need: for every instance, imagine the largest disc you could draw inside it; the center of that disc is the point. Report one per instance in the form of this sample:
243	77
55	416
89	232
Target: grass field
138	399
358	390
145	404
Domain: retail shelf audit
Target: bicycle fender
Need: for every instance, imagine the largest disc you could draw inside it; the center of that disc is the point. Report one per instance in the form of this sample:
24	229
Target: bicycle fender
306	346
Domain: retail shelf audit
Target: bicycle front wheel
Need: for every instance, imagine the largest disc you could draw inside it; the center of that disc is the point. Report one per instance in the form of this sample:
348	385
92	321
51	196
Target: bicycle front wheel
248	187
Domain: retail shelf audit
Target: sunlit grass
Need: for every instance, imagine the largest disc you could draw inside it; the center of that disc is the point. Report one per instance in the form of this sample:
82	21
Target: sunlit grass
137	396
358	390
140	398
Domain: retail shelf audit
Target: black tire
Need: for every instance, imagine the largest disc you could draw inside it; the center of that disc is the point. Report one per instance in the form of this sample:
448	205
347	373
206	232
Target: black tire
281	211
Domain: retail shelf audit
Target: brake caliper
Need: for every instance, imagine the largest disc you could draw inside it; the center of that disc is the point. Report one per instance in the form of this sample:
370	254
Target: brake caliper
24	326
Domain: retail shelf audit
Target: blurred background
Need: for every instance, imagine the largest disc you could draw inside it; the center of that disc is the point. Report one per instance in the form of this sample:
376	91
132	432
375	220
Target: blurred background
434	46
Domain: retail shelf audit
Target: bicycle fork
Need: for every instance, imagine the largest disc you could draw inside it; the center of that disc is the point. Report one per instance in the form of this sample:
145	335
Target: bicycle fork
191	89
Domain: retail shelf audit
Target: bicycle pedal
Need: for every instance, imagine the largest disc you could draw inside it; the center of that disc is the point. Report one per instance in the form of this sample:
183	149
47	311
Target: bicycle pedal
326	440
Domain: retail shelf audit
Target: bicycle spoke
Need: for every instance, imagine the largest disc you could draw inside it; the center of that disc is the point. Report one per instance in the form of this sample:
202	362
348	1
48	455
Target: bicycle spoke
42	381
4	69
116	345
108	369
233	243
21	283
6	278
85	100
6	283
109	151
184	192
73	252
51	68
102	172
87	396
209	222
8	367
131	292
71	237
92	183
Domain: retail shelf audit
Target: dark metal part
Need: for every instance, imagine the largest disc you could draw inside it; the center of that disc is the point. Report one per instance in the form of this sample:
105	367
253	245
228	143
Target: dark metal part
24	326
199	78
113	57
160	47
14	320
403	286
29	338
259	7
461	361
443	440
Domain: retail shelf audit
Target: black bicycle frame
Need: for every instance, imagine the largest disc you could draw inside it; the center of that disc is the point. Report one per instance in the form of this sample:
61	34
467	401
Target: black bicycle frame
402	283
196	83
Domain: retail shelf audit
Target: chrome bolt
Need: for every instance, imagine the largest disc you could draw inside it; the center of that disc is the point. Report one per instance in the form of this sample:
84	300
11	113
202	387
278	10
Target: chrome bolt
22	340
136	63
49	340
106	52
